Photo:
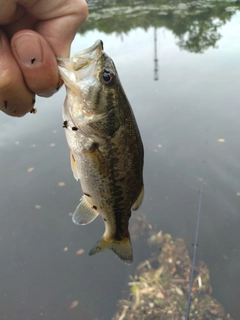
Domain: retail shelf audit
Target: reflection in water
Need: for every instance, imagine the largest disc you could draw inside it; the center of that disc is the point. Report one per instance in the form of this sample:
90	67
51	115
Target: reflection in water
155	56
195	24
42	275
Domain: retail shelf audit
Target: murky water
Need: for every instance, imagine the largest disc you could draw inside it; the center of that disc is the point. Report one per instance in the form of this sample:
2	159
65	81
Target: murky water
179	66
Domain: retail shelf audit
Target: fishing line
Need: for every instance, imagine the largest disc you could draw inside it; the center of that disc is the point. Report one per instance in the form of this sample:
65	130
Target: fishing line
195	244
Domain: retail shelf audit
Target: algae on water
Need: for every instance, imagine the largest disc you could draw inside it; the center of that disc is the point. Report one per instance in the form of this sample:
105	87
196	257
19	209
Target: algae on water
159	287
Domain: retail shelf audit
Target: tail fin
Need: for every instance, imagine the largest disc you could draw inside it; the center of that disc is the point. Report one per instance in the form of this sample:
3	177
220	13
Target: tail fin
122	248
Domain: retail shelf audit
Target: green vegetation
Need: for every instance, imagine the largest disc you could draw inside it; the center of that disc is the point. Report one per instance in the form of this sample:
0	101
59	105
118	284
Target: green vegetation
194	23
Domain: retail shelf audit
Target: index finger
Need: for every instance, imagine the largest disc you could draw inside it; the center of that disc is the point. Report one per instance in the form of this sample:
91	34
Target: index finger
58	21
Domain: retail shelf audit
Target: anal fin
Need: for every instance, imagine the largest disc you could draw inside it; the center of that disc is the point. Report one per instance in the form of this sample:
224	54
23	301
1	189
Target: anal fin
84	214
139	200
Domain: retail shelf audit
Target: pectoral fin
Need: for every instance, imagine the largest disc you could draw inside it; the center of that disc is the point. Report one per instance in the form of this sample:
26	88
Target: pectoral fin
84	214
139	200
108	124
74	166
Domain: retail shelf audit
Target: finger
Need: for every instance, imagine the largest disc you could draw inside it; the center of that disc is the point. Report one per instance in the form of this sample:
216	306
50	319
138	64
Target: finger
15	98
27	21
10	12
37	62
58	21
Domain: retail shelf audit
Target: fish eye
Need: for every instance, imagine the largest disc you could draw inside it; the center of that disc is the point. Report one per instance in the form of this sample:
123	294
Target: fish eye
108	77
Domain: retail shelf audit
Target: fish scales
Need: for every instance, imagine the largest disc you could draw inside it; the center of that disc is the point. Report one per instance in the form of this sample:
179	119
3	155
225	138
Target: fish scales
106	149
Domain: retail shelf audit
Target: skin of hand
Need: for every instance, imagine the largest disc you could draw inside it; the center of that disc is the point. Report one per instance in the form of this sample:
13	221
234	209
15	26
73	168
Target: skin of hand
32	34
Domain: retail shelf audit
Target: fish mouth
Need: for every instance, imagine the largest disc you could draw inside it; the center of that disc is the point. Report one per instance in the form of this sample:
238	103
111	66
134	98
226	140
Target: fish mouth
85	57
97	45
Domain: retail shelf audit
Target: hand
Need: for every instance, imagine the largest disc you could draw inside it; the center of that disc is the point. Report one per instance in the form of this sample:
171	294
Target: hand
32	34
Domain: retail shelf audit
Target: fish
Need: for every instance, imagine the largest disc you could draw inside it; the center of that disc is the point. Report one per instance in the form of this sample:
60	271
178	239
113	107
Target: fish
106	149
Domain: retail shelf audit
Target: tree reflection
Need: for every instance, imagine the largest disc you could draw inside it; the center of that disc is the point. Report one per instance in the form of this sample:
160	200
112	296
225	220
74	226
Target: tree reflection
194	23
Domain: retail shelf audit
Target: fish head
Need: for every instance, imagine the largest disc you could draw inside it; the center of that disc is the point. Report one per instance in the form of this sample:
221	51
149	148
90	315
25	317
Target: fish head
90	77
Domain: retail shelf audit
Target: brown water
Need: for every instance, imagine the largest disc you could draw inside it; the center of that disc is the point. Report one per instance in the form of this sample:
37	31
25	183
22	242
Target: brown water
196	88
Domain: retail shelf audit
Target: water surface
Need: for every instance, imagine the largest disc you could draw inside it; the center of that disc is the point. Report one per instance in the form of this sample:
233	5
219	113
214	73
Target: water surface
179	65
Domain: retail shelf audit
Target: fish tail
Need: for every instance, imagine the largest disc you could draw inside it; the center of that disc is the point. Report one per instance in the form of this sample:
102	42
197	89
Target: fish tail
122	248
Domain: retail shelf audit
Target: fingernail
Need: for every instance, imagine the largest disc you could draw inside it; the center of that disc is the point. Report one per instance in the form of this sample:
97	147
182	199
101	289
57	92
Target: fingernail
29	50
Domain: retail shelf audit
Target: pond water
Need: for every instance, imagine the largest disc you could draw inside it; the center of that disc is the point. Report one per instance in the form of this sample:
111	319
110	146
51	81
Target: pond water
179	65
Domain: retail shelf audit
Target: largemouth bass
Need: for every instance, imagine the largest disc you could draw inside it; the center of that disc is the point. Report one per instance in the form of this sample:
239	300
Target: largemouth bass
106	150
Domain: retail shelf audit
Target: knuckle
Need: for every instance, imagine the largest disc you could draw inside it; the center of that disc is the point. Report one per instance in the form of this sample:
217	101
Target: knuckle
15	98
82	10
16	108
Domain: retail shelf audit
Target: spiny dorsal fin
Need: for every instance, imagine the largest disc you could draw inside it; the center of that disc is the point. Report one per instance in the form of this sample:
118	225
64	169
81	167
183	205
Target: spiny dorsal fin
139	200
84	213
